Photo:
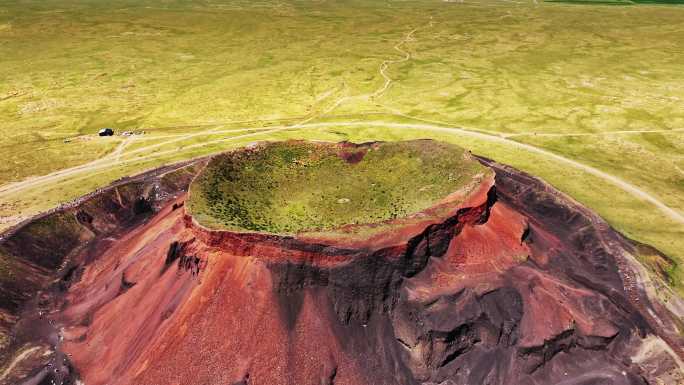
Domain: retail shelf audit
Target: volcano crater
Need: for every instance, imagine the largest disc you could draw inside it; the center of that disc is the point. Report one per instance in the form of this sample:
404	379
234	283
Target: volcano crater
339	263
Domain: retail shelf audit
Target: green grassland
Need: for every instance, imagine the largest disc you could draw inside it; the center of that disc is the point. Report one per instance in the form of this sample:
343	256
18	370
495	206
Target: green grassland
616	2
597	84
292	187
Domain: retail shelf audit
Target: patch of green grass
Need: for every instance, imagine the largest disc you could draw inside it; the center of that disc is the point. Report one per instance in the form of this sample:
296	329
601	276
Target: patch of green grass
292	187
592	2
615	2
658	1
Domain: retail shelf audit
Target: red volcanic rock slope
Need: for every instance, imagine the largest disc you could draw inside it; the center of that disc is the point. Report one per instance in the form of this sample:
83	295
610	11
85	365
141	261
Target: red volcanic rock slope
517	285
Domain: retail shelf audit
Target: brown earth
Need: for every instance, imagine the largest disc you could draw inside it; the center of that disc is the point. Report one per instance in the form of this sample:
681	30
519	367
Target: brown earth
517	285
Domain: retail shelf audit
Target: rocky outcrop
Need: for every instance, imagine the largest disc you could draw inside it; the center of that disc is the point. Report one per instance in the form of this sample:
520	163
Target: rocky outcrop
44	256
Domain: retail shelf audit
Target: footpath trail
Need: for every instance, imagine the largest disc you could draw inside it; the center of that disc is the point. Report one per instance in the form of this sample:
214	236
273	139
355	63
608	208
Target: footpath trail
605	133
385	64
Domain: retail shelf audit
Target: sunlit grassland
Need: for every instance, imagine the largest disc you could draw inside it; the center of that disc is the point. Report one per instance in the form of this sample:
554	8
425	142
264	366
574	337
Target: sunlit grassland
74	69
187	73
559	68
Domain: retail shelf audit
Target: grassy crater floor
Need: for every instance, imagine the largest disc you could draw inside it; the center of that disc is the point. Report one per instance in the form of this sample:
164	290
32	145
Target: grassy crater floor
298	186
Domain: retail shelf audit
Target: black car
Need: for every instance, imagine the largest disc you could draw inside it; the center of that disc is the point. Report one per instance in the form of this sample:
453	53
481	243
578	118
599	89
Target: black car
106	132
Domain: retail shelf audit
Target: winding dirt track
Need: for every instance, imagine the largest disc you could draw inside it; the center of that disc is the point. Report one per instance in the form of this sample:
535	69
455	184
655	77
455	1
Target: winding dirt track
385	65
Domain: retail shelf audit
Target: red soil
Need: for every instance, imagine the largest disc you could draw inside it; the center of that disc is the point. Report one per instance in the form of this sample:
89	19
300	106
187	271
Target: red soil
225	323
229	324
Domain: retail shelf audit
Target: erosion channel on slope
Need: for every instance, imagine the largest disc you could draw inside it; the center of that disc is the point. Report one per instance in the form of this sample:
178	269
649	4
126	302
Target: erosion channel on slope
331	263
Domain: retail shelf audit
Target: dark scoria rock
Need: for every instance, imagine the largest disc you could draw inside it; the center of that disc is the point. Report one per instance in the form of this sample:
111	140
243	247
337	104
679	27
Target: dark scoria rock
468	335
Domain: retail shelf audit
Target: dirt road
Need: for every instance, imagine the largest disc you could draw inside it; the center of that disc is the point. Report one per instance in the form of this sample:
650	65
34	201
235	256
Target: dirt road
38	182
